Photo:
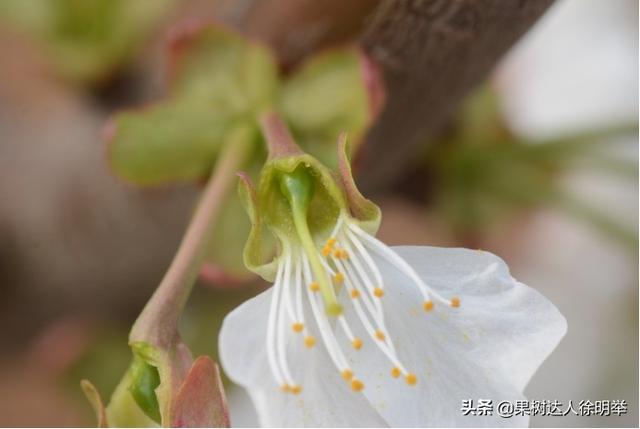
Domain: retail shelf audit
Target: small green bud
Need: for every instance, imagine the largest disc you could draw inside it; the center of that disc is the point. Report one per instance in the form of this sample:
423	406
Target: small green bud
144	381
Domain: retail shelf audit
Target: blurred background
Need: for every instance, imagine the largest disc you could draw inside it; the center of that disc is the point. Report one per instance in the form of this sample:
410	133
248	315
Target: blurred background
540	166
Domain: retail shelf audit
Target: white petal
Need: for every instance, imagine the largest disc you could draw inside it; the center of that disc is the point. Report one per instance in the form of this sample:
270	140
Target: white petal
487	349
325	399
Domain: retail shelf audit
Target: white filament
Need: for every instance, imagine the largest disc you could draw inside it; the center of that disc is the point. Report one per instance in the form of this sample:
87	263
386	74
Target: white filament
361	278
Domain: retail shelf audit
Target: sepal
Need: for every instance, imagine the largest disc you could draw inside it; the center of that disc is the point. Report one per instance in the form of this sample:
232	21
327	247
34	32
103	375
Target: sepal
254	249
364	210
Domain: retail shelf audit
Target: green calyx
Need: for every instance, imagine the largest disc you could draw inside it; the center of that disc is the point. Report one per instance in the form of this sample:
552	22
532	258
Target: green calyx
300	201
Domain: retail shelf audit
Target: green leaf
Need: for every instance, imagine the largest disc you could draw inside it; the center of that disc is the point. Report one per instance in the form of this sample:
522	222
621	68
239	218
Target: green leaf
166	142
328	96
219	81
86	40
223	69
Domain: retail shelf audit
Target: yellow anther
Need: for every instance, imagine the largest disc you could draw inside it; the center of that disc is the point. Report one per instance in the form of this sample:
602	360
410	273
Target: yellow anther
395	372
378	292
338	278
314	286
326	251
295	389
297	327
455	302
285	388
347	374
380	335
356	385
411	379
355	293
356	343
340	254
428	305
331	242
309	341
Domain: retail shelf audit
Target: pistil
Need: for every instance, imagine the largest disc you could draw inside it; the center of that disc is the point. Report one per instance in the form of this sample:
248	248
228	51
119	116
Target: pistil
297	187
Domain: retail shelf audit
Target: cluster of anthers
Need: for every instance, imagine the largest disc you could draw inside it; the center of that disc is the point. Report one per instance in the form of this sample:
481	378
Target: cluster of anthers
346	262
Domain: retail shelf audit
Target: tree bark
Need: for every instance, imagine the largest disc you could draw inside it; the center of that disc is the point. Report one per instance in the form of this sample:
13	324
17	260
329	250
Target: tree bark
433	52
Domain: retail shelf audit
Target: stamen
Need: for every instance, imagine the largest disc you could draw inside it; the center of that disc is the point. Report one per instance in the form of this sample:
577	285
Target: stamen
355	287
297	327
309	341
281	337
356	385
299	285
330	342
356	343
347	374
455	302
362	281
271	330
348	263
362	291
411	379
327	267
337	228
345	327
339	254
385	346
286	288
354	283
398	262
365	255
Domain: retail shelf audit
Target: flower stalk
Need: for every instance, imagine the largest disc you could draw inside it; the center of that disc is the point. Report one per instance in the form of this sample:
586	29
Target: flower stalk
162	363
157	324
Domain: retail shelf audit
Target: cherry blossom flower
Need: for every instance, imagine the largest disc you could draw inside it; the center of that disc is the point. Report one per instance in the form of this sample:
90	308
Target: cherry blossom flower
356	333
